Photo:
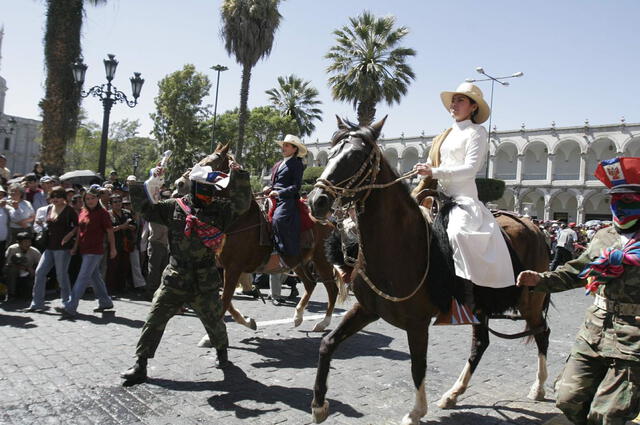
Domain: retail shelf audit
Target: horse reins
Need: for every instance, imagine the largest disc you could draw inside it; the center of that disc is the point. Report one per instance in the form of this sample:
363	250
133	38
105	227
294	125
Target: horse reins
354	185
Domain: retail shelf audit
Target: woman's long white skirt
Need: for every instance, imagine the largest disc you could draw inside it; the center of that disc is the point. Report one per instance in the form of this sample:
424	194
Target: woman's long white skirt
480	253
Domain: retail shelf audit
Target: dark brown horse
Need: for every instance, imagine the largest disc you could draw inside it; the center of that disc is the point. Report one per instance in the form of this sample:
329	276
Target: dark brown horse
243	253
408	290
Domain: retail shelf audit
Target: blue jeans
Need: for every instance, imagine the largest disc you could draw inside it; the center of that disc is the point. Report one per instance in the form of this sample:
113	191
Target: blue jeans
60	258
89	274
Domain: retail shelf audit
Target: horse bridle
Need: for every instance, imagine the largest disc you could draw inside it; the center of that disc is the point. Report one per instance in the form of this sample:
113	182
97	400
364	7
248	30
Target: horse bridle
355	184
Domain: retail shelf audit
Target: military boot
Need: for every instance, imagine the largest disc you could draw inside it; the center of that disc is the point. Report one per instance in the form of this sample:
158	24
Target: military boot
138	373
223	358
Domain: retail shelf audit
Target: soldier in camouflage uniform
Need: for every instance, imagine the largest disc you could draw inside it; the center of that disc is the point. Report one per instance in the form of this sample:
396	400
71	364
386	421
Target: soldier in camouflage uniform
191	275
601	380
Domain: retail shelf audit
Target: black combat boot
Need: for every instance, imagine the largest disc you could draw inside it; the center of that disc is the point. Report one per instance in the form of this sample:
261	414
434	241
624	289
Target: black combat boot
138	373
223	358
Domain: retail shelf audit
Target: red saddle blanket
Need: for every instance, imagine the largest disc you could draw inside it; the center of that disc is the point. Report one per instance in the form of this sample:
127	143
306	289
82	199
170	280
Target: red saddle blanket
306	222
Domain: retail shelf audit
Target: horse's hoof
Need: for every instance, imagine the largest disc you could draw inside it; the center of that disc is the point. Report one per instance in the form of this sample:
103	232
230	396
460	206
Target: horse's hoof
297	320
536	393
320	326
408	420
320	413
447	402
205	342
253	325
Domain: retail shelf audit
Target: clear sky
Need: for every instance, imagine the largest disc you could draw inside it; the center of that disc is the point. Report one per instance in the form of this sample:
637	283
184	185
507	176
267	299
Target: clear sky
579	57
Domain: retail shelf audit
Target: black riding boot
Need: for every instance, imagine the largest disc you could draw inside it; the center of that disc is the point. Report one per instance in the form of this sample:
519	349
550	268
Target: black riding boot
138	373
223	358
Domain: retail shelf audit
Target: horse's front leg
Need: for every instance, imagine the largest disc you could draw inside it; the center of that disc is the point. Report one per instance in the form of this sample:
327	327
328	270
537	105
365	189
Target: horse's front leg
332	294
356	319
418	343
309	286
537	391
479	344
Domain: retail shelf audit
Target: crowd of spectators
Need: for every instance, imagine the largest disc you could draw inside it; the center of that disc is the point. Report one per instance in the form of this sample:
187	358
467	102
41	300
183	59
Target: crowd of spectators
64	237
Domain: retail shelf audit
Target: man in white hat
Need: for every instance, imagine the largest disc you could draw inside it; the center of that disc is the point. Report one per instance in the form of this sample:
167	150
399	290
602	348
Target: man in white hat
196	223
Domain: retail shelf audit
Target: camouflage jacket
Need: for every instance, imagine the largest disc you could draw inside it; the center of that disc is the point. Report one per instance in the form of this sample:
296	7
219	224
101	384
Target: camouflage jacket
188	252
611	334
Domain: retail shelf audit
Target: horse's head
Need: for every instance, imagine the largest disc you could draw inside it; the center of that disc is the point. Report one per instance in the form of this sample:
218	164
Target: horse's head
218	161
353	162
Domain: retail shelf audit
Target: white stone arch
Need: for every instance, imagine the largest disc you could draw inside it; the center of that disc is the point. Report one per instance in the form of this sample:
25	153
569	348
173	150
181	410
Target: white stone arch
596	205
564	204
566	160
631	147
391	155
506	161
410	157
322	158
535	197
507	201
310	159
599	149
534	166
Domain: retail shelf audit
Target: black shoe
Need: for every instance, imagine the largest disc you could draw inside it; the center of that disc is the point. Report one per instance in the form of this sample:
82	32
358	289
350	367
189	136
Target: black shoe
102	309
137	374
278	301
294	293
255	293
222	362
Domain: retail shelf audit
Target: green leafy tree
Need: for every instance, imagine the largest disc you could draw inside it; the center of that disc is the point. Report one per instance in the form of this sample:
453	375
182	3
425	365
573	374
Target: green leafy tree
296	98
180	121
265	126
62	98
368	65
248	30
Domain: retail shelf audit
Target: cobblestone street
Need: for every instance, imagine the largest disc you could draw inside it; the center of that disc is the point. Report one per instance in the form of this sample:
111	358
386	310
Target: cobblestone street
57	371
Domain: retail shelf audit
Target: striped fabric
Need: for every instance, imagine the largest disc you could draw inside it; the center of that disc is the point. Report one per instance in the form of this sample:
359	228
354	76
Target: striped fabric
610	265
211	236
459	314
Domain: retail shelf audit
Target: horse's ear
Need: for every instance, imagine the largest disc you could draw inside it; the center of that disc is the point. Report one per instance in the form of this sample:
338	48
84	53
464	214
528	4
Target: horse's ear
341	124
377	126
218	147
224	149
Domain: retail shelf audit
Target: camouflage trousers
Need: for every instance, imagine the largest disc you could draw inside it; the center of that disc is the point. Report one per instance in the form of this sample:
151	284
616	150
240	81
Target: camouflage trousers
168	301
598	390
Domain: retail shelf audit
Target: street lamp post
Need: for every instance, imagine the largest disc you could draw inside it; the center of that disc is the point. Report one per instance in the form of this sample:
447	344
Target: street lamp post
136	161
493	80
109	95
219	69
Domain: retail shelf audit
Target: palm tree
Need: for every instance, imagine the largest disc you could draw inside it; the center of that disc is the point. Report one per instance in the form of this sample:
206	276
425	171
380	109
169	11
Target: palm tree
296	98
62	97
248	30
368	66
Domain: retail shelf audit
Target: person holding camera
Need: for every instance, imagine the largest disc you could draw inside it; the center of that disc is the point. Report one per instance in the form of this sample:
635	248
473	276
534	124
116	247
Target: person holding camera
58	230
20	265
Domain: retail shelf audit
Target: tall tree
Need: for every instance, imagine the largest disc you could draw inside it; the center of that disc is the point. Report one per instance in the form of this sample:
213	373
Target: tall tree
248	30
297	99
368	65
62	97
180	120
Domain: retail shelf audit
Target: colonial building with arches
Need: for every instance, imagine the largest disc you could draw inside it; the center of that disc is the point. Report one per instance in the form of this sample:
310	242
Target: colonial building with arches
548	172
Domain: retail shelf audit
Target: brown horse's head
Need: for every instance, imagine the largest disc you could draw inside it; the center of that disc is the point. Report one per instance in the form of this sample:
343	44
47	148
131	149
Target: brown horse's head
349	165
218	161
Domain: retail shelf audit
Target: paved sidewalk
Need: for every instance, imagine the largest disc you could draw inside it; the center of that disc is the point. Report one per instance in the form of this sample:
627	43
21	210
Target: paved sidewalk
56	371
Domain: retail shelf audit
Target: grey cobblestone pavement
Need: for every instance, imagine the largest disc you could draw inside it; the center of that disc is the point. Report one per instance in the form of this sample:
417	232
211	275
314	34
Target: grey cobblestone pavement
55	371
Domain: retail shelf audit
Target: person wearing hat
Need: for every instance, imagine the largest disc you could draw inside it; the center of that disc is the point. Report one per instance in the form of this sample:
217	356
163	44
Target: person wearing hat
21	260
480	253
196	223
33	193
600	383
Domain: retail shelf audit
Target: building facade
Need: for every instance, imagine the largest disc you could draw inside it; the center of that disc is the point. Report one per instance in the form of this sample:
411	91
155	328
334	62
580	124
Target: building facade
548	172
19	140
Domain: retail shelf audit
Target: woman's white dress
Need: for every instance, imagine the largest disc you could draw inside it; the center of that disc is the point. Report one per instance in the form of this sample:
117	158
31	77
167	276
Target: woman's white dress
480	253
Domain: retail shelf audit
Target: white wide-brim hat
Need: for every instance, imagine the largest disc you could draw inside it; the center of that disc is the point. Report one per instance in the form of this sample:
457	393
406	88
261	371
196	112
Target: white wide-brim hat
471	91
294	140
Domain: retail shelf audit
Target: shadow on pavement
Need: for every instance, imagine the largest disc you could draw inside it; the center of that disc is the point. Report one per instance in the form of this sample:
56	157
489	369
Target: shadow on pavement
104	318
16	321
239	388
529	417
300	353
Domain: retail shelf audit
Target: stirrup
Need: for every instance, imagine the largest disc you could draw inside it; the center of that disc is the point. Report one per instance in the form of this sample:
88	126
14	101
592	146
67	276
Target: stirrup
459	314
